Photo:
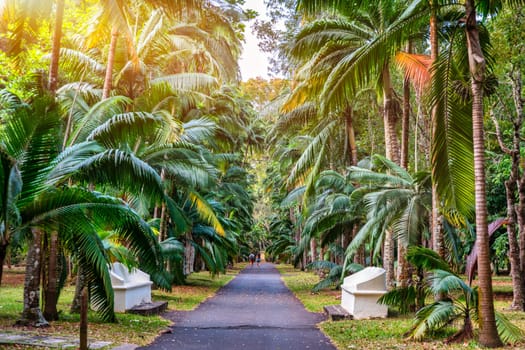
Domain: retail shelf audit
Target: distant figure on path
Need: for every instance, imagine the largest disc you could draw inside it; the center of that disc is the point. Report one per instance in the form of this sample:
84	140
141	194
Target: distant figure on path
258	259
251	257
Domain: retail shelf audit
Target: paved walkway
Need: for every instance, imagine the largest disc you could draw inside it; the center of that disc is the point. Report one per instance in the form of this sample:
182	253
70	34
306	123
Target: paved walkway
254	311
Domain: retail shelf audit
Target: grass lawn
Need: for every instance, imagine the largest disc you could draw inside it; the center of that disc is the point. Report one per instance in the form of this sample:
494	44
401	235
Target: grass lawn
381	333
130	328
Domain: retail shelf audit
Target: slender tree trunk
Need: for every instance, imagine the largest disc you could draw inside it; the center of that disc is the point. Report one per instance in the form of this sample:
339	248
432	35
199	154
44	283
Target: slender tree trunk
520	212
388	259
55	51
521	227
313	250
514	251
511	187
50	294
3	254
437	220
488	334
350	134
360	255
79	286
405	124
189	255
390	118
108	80
392	153
31	314
403	267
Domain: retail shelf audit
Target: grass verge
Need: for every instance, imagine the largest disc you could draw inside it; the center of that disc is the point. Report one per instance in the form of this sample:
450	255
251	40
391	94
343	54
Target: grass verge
378	334
129	328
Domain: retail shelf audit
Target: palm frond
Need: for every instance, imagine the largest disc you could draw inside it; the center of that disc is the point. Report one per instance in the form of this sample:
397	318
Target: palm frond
205	211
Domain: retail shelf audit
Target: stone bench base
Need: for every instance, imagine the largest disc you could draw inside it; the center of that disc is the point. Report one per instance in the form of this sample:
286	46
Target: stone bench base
337	313
148	309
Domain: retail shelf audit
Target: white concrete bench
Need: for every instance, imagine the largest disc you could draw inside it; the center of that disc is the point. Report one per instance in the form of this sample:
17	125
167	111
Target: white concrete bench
131	288
360	292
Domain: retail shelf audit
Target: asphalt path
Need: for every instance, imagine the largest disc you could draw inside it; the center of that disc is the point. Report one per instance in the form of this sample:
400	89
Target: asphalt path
255	311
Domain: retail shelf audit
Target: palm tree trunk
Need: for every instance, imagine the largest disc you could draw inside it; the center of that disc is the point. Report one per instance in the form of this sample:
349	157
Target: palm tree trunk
55	51
50	294
392	153
405	123
390	118
388	259
31	314
488	334
79	286
108	80
350	135
189	255
313	249
3	254
437	222
403	267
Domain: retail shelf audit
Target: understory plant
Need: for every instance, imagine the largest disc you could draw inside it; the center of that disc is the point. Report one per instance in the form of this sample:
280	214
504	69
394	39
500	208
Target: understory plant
457	302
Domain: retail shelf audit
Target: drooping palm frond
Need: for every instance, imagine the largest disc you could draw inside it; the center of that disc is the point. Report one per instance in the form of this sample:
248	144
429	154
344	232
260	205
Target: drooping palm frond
508	332
189	81
96	115
205	211
124	128
402	298
123	170
78	62
426	259
452	142
312	156
432	317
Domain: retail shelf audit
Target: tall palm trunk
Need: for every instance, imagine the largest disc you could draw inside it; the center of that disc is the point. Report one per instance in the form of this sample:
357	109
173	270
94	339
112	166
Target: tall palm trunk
31	314
50	295
488	334
79	286
437	222
3	254
55	51
390	118
108	80
405	123
350	134
392	153
403	268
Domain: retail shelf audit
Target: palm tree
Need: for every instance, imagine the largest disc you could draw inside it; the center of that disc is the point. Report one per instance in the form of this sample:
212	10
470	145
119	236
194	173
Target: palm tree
477	64
460	302
46	205
394	201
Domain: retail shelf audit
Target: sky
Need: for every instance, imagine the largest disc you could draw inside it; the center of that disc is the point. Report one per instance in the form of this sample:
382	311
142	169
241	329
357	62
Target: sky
253	62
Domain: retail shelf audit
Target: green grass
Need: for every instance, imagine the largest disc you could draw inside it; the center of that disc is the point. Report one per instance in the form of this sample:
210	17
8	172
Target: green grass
200	286
300	283
379	333
130	328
